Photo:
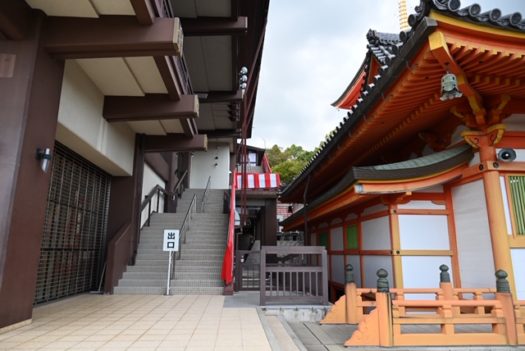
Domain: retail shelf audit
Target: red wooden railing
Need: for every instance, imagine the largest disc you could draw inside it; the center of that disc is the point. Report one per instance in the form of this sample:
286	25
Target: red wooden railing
227	263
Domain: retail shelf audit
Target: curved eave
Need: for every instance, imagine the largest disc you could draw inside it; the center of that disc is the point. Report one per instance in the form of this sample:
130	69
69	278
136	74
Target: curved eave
353	91
293	192
363	183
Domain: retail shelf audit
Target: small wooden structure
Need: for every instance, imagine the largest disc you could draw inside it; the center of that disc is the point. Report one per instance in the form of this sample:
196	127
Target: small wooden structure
382	314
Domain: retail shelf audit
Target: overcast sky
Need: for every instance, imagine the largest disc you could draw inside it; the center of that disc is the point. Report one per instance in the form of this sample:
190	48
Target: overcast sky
312	51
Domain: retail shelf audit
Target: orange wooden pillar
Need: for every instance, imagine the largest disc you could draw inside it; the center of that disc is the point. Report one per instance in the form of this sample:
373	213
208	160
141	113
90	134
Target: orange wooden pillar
485	142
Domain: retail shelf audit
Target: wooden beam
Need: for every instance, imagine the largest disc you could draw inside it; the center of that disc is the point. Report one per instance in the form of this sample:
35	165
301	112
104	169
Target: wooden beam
167	73
143	11
188	127
220	96
149	107
221	133
15	18
111	36
206	26
175	143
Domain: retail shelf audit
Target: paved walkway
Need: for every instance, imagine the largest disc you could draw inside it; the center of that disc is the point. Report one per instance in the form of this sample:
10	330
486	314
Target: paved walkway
110	322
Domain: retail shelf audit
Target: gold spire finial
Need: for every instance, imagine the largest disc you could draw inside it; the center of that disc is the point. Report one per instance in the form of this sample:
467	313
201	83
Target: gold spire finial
403	17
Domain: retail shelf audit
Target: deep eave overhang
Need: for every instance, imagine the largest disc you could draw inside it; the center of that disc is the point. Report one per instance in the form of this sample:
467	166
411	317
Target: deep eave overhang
362	183
407	51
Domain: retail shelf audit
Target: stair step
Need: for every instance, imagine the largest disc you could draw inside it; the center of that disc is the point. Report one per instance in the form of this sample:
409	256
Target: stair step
179	290
142	282
135	290
145	275
197	283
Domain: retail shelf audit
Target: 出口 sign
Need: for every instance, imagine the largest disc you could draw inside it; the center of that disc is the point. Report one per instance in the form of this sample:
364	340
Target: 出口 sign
171	240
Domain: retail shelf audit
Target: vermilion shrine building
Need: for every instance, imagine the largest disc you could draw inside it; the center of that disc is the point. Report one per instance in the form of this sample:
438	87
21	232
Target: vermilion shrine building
414	177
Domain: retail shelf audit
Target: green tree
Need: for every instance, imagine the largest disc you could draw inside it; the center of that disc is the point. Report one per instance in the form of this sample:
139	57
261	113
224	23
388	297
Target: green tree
288	162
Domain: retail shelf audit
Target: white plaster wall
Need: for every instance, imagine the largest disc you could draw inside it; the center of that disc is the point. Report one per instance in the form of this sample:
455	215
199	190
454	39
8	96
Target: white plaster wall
336	239
149	180
506	204
203	166
515	123
423	232
422	205
338	268
423	272
374	209
473	237
518	264
371	264
376	234
82	128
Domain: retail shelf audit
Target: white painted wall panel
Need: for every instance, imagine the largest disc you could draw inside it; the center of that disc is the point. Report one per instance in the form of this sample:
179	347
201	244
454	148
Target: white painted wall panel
376	234
508	222
149	180
423	232
336	238
82	128
473	236
422	205
356	265
374	209
518	264
371	264
338	268
515	123
423	272
205	164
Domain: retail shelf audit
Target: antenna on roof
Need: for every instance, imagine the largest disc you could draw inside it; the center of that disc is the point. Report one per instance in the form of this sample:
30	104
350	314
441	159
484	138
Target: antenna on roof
403	16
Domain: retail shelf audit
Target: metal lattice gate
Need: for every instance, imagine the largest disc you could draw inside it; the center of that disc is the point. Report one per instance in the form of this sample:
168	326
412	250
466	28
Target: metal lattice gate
73	239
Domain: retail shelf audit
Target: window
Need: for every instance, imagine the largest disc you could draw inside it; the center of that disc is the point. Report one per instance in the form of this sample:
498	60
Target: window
323	240
351	237
517	191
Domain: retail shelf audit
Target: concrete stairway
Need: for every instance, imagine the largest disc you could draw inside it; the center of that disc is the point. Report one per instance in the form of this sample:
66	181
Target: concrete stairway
198	271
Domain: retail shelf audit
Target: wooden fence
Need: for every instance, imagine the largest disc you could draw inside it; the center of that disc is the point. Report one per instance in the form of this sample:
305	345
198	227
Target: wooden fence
440	316
247	270
293	275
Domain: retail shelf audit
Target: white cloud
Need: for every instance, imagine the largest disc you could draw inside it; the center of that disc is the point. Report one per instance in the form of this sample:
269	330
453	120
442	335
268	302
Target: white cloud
312	51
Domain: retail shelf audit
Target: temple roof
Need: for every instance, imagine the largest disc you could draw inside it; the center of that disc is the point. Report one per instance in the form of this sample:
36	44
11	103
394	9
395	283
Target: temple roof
396	54
407	176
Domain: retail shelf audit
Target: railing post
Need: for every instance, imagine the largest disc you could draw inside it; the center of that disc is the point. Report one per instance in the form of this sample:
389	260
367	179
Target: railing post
384	309
149	211
158	199
447	291
324	262
350	295
504	296
262	277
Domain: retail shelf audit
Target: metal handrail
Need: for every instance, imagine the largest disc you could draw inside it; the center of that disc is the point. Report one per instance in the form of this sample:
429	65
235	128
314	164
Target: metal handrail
147	201
179	187
182	240
205	193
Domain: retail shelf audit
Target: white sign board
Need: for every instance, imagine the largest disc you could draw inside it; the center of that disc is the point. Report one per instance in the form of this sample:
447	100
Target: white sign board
171	240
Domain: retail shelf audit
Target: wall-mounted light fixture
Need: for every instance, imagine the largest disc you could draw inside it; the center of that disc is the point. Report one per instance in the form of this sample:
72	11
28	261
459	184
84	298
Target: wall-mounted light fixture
243	78
44	156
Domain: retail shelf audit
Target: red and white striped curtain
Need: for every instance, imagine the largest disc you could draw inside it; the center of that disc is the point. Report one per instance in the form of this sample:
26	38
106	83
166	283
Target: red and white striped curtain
259	180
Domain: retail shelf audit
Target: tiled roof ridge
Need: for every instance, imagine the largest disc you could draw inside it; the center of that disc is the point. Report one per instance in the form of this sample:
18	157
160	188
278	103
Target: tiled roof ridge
386	56
472	13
